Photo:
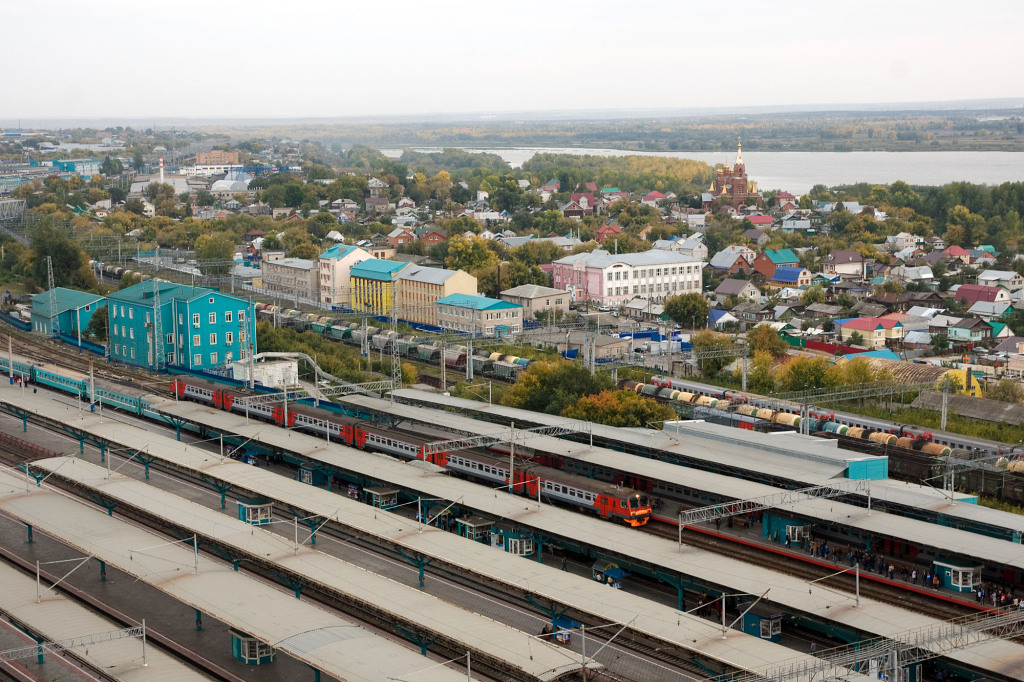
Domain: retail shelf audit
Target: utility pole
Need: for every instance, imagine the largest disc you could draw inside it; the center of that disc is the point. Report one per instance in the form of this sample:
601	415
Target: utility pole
158	330
54	318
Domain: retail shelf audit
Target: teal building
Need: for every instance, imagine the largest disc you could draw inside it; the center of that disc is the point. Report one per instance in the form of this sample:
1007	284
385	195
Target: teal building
74	312
201	328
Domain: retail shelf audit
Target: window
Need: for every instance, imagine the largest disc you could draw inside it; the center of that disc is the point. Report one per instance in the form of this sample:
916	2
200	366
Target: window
122	311
115	328
170	358
181	319
117	349
227	316
213	339
170	338
131	313
88	308
133	352
229	338
241	316
213	317
147	318
196	340
213	358
131	333
609	291
197	359
113	310
195	320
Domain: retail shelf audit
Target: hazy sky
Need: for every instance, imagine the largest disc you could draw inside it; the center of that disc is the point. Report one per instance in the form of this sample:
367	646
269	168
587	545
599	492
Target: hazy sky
298	58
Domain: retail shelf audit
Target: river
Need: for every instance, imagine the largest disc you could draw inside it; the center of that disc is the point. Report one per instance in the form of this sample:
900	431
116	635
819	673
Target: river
797	172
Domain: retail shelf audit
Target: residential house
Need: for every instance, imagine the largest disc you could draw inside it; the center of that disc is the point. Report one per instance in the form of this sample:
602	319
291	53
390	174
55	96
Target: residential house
763	222
903	240
417	289
200	328
751	313
721	319
904	273
400	236
376	187
845	263
970	330
652	198
371	285
535	299
958	252
785	201
585	200
818	311
377	204
741	289
335	264
795	223
572	209
292	278
1008	279
790	276
909	253
613	280
606	231
693	246
734	258
432	235
768	260
876	332
759	237
972	293
491	316
73	313
990	312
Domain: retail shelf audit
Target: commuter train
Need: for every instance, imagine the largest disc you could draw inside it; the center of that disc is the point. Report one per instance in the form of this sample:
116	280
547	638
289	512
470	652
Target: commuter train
485	363
840	423
580	492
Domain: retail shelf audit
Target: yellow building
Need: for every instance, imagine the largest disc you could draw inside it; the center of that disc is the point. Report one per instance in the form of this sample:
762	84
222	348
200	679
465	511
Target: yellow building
418	288
371	283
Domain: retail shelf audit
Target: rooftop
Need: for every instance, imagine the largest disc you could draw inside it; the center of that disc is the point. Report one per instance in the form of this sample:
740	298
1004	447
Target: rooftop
297	263
67	299
421	273
374	268
599	258
476	302
532	291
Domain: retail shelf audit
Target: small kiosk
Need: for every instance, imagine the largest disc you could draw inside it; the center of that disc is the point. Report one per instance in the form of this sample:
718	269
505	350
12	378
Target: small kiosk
312	474
511	539
957	575
250	650
381	497
608	573
256	512
762	622
476	528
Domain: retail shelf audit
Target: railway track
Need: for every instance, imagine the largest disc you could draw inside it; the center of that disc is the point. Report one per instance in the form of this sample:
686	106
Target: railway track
846	582
17	451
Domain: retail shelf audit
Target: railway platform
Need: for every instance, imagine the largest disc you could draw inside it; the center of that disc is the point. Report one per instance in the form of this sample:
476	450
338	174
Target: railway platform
589	535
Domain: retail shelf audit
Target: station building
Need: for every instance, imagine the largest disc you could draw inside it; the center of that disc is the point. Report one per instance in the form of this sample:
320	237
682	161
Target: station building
335	269
479	314
202	328
74	311
372	284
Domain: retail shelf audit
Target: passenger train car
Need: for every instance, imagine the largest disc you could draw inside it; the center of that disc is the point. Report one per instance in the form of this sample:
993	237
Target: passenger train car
602	499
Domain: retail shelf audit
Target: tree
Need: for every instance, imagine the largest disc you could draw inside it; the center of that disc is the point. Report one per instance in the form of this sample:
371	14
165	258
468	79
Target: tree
97	328
940	343
469	253
304	250
707	340
855	339
320	224
760	377
135	206
215	253
70	264
619	408
688	310
813	294
552	386
804	374
1007	391
764	339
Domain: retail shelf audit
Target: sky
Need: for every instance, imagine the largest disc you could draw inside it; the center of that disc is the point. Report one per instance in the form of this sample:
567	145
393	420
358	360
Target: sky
316	58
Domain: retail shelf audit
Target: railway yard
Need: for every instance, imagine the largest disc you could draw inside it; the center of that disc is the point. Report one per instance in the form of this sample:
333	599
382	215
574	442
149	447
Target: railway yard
376	538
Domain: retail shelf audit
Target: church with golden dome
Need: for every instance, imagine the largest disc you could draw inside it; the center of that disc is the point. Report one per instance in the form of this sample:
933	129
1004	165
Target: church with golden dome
731	185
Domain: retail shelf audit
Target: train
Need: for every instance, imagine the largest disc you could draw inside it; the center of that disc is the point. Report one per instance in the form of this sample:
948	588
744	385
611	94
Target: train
501	366
117	272
936	443
608	501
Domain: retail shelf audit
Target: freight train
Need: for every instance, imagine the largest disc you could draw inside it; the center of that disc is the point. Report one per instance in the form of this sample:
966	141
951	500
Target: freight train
914	437
117	272
617	503
485	363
